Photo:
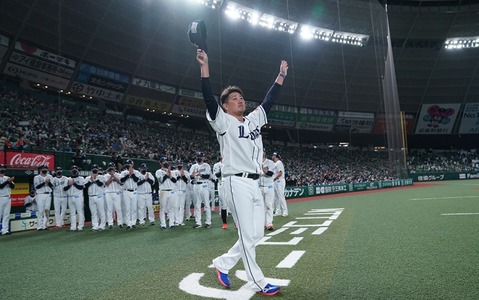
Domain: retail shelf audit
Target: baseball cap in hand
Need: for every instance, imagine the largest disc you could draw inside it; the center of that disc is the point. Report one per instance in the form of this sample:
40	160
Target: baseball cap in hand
197	34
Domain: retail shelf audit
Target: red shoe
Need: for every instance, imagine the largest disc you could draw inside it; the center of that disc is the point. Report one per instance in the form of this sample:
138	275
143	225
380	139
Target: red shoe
224	226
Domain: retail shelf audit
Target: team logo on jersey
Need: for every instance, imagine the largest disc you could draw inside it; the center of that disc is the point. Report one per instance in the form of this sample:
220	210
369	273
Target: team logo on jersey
253	135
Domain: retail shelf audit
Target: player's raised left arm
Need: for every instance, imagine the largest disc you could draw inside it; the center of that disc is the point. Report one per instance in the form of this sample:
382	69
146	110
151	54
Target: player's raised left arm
273	92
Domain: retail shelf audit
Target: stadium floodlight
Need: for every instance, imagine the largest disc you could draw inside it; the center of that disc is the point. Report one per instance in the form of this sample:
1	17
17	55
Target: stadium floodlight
276	23
313	32
238	11
213	4
462	42
349	38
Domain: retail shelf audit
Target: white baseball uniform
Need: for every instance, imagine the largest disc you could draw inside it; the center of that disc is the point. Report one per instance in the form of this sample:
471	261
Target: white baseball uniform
96	199
113	196
31	208
279	185
217	168
201	191
182	183
5	202
242	150
60	200
145	198
75	202
267	190
43	186
167	195
130	195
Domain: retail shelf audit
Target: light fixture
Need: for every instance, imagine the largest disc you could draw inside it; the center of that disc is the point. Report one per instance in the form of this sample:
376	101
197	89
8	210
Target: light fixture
349	38
213	4
276	23
237	11
462	42
313	32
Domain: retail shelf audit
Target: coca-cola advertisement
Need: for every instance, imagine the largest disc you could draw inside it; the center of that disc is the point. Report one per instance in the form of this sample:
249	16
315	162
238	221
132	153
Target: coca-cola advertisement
21	160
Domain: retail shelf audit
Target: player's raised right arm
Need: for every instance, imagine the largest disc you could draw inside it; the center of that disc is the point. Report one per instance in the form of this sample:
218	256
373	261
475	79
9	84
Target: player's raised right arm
210	100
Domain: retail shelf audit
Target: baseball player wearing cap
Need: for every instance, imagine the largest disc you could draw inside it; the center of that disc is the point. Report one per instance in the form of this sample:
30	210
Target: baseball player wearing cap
201	173
145	196
241	147
43	186
217	177
113	195
267	190
29	202
182	183
60	200
95	185
167	195
130	178
6	186
279	185
74	188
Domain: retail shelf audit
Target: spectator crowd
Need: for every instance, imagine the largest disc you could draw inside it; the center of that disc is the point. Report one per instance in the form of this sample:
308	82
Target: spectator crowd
31	124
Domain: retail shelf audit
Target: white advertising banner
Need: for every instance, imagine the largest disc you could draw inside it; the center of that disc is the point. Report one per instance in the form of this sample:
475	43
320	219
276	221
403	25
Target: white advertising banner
93	91
470	119
437	118
35	76
34	51
190	111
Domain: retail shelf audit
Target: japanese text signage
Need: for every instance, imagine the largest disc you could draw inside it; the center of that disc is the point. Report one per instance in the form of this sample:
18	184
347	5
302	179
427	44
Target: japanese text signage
437	118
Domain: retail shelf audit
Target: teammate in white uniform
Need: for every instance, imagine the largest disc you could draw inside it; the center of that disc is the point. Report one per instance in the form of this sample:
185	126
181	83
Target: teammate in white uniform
201	173
189	201
130	178
241	147
211	189
29	202
95	185
167	195
145	196
43	186
60	200
74	189
113	191
219	183
279	185
267	190
6	186
182	183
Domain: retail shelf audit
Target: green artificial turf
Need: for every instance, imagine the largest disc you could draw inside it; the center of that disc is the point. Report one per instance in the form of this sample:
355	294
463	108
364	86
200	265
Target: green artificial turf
382	246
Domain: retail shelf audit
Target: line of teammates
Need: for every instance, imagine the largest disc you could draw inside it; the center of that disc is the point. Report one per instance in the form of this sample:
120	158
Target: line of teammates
124	198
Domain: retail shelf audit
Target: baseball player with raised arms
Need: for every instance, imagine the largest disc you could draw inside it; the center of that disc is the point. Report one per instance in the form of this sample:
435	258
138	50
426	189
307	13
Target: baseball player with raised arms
43	186
241	147
145	196
60	200
279	185
113	195
130	178
95	185
167	194
201	173
6	186
74	189
267	190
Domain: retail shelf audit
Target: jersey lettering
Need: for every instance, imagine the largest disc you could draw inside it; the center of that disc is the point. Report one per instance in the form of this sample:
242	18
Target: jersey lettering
253	135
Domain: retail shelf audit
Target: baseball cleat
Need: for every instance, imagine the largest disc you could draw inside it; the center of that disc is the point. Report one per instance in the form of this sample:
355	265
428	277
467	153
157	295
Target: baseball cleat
270	290
208	226
223	278
224	226
270	228
285	215
197	226
121	226
152	223
163	227
110	226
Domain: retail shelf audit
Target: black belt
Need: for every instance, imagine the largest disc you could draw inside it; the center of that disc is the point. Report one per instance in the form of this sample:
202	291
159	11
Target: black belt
130	190
165	190
248	175
199	182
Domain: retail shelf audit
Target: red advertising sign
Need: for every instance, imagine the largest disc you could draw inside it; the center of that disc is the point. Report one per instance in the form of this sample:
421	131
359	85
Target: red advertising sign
18	200
21	160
